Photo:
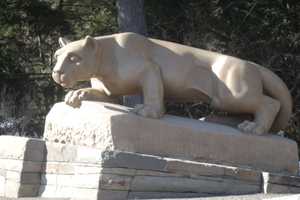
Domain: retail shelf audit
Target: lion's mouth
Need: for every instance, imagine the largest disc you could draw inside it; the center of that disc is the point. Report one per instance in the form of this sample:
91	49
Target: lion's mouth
62	80
66	84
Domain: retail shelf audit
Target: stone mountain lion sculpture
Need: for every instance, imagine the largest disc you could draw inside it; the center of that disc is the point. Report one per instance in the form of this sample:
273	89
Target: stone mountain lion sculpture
128	63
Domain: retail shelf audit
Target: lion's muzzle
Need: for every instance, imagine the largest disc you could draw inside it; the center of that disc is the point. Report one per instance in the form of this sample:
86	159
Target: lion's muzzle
62	79
56	76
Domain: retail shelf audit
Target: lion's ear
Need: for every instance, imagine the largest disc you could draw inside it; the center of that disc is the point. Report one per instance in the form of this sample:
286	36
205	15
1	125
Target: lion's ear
63	41
90	42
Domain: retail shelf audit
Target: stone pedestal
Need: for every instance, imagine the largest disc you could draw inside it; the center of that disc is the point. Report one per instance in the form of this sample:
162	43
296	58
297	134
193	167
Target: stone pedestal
31	168
111	127
103	152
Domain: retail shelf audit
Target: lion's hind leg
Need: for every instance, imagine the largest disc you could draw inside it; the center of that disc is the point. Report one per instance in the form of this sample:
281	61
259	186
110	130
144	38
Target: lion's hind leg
263	117
241	91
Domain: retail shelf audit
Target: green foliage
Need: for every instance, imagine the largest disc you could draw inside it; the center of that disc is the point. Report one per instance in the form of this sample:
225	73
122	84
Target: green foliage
30	28
25	33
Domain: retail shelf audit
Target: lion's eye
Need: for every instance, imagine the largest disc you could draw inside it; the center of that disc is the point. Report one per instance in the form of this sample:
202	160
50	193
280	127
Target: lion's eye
72	58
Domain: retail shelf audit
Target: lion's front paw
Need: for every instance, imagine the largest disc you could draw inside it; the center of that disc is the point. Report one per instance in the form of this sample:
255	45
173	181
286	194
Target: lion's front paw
74	98
148	111
251	127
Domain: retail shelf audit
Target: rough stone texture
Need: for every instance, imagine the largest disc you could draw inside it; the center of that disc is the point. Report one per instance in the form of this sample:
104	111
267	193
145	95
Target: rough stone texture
111	127
97	122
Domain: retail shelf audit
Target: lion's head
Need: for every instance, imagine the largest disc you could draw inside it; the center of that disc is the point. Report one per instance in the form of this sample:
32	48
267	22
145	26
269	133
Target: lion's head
76	61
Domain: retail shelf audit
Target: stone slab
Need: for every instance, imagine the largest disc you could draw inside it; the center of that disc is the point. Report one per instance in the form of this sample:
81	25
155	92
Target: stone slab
165	195
58	152
48	191
88	181
133	161
14	190
115	182
282	189
239	197
201	185
111	127
126	173
24	177
284	180
20	165
117	159
112	195
21	148
235	197
52	191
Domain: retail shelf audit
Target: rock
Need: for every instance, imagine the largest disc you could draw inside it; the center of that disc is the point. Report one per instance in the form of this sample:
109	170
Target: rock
110	127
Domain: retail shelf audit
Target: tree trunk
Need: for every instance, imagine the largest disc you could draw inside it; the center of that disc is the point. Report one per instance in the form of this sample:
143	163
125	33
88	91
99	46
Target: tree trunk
131	18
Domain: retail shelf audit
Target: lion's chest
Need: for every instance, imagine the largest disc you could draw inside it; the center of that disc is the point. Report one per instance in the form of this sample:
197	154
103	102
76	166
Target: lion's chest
117	86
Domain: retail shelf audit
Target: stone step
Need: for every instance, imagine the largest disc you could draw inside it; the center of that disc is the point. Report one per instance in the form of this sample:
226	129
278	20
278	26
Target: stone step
70	171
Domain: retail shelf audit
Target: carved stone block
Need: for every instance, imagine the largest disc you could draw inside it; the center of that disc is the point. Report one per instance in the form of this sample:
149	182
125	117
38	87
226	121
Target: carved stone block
111	127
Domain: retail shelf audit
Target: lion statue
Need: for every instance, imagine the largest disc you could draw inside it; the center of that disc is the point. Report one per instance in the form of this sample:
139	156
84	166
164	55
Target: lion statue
129	63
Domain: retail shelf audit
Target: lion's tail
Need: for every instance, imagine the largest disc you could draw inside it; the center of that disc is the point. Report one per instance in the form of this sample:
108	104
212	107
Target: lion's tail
276	88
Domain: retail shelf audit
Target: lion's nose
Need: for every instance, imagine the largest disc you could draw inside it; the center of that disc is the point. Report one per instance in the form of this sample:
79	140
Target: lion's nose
56	75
